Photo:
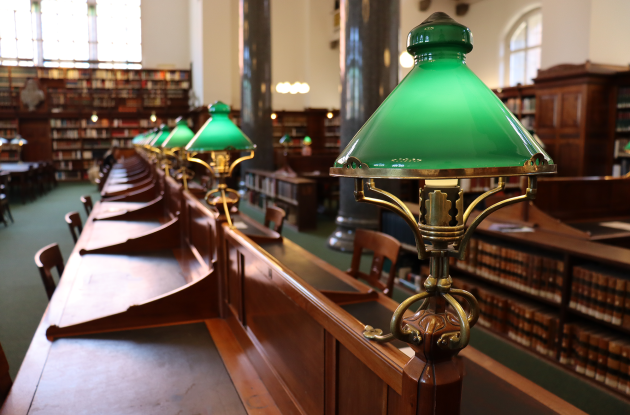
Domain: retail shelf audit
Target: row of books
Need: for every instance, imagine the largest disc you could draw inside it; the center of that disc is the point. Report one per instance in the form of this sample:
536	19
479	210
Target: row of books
118	84
514	104
264	184
623	121
8	133
8	123
601	293
76	134
72	155
69	165
623	97
525	270
130	125
530	325
115	74
597	354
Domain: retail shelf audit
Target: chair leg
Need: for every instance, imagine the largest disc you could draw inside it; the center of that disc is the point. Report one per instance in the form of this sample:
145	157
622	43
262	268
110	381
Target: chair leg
10	214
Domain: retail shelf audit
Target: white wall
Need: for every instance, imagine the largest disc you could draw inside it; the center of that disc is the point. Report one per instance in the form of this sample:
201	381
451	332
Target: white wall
165	28
610	32
301	31
489	21
566	32
213	37
205	32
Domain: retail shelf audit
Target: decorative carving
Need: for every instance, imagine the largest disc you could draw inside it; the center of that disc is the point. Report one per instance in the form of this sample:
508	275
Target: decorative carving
537	160
354	163
31	95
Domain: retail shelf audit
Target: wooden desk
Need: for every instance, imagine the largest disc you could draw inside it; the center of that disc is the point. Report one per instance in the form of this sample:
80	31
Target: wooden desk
297	319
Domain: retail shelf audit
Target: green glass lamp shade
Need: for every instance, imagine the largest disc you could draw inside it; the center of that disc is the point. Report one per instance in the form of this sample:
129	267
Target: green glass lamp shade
219	133
138	139
627	147
442	121
285	140
180	136
148	138
307	141
161	136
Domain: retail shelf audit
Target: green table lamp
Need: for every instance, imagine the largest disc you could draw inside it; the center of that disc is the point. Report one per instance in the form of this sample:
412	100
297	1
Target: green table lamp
174	146
19	141
220	137
440	124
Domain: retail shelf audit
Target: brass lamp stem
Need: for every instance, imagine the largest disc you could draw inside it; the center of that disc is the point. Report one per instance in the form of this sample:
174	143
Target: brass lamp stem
446	232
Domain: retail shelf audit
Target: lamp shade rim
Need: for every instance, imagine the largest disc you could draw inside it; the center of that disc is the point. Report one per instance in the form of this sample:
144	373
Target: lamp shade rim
376	173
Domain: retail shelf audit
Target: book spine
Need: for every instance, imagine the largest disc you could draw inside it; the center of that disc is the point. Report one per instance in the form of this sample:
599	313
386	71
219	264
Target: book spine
614	359
591	355
618	301
581	350
602	359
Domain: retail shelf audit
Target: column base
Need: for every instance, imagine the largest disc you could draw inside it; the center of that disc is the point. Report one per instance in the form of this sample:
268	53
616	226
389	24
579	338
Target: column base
342	239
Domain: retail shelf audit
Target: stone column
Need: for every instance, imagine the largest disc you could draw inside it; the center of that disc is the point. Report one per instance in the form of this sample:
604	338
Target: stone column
255	67
369	72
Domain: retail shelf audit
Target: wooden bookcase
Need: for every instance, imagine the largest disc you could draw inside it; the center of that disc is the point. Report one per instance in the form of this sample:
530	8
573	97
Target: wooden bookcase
60	129
312	122
557	306
620	121
8	130
521	100
296	195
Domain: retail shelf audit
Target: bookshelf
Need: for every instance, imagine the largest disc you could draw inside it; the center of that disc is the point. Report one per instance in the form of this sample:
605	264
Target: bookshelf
312	122
8	130
621	123
60	127
564	299
77	142
521	101
296	195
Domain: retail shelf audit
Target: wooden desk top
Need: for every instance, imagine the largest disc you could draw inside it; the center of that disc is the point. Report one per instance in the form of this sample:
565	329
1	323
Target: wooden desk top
139	371
164	370
17	167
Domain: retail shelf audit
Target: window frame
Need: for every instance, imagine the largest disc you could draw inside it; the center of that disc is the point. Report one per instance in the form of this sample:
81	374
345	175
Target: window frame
92	44
508	50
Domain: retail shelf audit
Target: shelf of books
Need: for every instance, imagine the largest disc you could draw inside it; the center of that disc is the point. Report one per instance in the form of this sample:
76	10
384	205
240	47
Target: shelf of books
521	101
332	129
8	130
77	142
622	129
295	195
565	299
123	90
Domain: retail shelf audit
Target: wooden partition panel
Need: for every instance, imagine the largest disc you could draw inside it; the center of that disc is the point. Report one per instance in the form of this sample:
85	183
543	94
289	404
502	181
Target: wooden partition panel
309	351
293	341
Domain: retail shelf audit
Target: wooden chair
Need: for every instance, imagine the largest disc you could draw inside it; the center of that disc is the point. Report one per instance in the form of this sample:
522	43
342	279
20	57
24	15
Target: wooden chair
46	259
383	246
87	203
276	215
5	379
74	223
4	198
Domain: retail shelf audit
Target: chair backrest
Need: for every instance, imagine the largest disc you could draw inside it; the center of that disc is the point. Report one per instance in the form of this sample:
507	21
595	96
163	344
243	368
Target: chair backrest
5	378
4	182
87	203
383	246
46	259
74	223
276	215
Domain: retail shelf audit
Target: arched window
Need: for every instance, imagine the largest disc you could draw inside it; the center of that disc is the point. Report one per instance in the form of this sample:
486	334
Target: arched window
523	46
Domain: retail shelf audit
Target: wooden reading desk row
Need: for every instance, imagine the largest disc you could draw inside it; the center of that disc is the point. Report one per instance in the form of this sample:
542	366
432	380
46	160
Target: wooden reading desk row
163	309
